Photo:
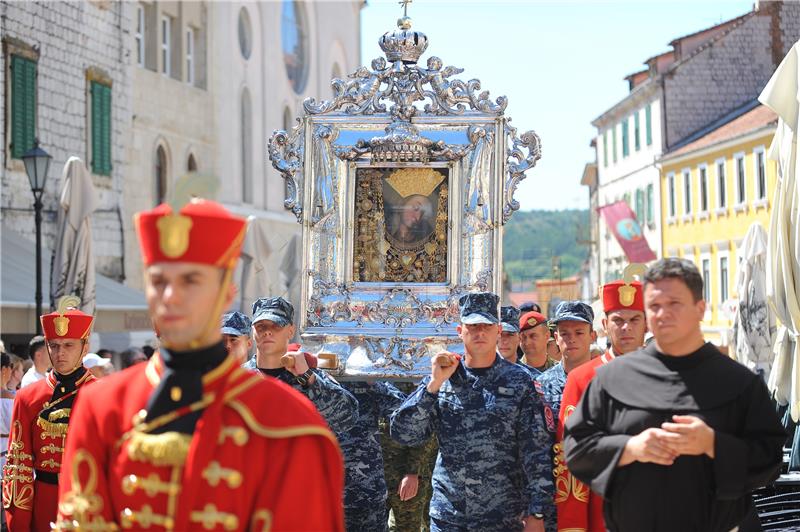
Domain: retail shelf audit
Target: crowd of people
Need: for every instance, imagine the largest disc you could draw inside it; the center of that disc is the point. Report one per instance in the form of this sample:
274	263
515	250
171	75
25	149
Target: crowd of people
532	428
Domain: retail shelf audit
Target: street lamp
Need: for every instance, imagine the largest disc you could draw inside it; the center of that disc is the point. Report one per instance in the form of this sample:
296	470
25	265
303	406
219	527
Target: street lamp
37	161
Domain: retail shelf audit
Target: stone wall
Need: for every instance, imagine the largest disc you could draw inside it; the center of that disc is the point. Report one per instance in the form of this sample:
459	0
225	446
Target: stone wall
729	71
70	38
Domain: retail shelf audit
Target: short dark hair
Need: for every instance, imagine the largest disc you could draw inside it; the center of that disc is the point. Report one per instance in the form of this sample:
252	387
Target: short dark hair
105	353
6	360
34	345
675	268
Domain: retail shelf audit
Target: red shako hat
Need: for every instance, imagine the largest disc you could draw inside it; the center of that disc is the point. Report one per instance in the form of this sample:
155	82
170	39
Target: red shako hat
67	321
619	295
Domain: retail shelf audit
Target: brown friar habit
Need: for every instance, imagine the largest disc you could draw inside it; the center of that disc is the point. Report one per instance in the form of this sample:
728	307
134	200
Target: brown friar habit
643	390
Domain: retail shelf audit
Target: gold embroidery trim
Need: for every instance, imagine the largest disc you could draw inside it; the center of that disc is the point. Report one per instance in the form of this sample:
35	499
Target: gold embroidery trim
50	429
145	518
263	515
51	448
278	433
167	449
61	413
152	485
239	435
210	516
51	463
214	473
79	508
17	476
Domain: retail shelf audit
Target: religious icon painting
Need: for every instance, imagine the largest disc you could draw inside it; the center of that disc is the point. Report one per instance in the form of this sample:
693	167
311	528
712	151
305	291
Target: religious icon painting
401	225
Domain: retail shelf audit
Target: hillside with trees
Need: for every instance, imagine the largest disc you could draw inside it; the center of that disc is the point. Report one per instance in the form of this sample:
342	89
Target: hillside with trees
535	241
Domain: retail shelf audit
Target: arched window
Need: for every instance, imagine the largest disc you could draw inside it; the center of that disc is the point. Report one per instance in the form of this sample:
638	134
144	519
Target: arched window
336	73
191	164
287	126
294	42
245	34
287	119
161	174
246	147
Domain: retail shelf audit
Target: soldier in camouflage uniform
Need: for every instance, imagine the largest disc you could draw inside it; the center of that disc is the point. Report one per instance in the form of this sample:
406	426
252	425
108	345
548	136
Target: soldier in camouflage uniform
550	384
364	485
236	333
402	462
273	323
492	441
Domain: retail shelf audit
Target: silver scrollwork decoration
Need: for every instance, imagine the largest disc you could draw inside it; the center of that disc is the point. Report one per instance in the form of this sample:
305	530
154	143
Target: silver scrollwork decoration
286	153
518	164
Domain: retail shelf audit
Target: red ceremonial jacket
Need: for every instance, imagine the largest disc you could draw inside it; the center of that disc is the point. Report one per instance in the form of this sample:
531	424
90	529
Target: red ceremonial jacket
36	445
260	458
579	509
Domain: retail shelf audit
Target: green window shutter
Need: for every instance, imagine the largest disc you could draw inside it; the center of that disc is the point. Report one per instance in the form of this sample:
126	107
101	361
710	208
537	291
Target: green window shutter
614	143
101	128
636	131
639	204
23	105
648	125
625	144
650	199
605	148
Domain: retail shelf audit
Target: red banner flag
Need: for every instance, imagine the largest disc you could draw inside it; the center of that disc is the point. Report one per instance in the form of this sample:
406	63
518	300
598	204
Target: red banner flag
623	223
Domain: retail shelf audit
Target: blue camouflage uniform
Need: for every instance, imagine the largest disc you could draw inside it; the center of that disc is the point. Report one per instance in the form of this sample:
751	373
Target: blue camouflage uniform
492	442
334	403
550	384
550	387
364	486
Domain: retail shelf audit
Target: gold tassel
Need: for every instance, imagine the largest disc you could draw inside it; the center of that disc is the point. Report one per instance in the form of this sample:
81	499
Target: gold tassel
52	429
61	413
167	449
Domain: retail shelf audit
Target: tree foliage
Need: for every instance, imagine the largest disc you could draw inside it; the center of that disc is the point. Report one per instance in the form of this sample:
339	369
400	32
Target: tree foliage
532	238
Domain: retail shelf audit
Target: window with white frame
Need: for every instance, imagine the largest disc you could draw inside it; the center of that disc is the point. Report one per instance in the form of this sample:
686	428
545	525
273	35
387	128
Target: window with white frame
705	266
721	185
738	168
190	56
166	49
760	173
140	33
723	277
687	191
671	195
702	178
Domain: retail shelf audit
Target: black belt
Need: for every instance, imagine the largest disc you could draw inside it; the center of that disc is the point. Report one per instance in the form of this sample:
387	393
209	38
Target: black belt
48	477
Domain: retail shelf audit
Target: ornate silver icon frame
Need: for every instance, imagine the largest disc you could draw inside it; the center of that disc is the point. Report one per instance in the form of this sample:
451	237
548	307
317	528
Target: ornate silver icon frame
398	115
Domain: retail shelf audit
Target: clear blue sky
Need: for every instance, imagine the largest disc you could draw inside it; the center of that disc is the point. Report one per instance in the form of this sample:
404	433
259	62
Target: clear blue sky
561	64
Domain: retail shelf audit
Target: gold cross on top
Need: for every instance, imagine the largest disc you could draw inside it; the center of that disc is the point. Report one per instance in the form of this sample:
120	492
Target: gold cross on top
405	3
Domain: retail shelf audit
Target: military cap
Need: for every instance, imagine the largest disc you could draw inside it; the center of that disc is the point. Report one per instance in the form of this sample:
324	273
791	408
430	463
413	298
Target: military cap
236	324
574	311
529	306
479	307
274	309
531	319
509	319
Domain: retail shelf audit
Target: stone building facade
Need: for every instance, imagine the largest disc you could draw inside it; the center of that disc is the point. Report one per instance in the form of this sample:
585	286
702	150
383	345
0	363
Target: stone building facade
70	46
192	86
705	76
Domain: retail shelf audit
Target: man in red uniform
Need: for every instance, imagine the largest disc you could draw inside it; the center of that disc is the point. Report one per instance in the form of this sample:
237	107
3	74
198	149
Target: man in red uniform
190	440
577	506
40	419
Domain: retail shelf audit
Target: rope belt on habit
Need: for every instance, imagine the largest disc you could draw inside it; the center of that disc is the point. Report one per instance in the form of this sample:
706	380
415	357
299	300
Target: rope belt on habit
47	477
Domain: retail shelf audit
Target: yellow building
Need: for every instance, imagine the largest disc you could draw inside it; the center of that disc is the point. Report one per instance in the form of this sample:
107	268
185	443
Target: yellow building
713	187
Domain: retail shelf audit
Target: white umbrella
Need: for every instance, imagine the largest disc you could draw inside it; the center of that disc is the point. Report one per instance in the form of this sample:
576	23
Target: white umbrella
754	322
254	280
72	270
783	257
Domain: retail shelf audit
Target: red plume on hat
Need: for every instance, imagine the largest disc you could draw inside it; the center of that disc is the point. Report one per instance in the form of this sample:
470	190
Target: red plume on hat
67	321
190	229
626	293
